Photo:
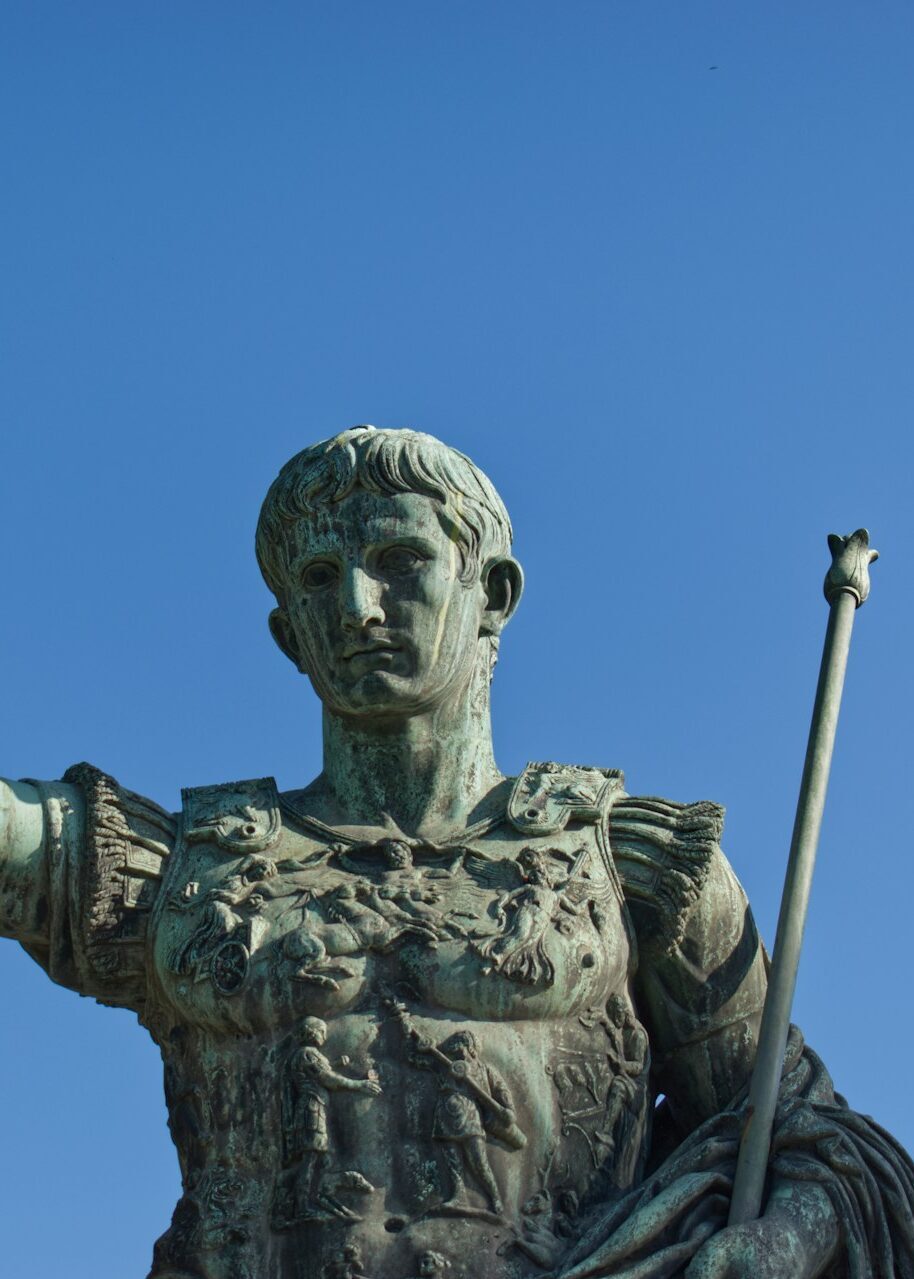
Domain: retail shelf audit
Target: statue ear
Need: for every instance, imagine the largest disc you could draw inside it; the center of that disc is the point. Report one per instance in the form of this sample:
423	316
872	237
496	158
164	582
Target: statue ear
504	585
281	630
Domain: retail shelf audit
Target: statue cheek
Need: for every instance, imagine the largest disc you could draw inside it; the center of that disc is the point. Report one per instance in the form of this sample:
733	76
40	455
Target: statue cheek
313	630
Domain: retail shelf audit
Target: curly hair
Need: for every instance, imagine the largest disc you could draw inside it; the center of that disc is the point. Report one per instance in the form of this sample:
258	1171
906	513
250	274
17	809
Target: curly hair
383	461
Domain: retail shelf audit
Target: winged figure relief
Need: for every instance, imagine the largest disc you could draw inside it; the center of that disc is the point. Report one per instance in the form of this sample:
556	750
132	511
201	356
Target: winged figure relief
539	891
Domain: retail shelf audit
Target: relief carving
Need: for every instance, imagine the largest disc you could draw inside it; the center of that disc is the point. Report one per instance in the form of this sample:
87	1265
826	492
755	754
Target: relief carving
547	1224
375	929
550	894
388	880
473	1106
347	1264
220	944
603	1094
240	817
213	1219
431	1265
310	1184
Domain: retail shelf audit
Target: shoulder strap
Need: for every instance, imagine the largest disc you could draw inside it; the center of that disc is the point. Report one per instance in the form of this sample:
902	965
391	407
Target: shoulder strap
546	797
240	817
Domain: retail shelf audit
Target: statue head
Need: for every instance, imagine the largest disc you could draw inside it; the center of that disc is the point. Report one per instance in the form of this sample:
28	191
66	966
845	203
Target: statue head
539	1203
398	854
461	1046
313	1031
536	868
617	1009
389	556
432	1264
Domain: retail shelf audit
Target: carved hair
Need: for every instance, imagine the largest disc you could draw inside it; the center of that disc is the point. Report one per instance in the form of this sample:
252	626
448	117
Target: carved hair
534	863
383	461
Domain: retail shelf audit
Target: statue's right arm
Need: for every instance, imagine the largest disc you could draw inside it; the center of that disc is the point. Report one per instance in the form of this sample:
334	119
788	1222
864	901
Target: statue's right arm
81	863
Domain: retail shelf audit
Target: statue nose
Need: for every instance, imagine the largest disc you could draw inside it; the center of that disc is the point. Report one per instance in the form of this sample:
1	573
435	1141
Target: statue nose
360	600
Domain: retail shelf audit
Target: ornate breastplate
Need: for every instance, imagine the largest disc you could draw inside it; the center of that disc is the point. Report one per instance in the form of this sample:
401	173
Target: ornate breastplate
379	1054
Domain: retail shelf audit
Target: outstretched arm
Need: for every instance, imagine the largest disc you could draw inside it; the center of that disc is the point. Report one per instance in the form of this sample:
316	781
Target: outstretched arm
317	1067
27	854
80	865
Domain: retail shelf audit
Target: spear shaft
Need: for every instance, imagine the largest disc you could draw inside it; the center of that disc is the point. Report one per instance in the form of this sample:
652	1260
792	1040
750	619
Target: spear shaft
846	588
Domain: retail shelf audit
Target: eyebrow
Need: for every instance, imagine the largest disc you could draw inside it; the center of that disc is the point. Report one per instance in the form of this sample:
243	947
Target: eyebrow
376	539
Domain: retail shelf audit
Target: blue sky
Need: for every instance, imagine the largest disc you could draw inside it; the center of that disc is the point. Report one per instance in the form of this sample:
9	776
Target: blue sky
650	265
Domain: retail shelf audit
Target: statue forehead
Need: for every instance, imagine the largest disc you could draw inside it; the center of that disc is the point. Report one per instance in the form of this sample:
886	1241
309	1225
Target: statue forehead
364	517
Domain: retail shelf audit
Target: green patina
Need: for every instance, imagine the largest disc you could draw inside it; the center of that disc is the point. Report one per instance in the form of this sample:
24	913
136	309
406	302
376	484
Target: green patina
416	1016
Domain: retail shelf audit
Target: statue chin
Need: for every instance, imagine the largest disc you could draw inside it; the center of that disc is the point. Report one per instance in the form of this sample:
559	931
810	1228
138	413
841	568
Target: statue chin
378	695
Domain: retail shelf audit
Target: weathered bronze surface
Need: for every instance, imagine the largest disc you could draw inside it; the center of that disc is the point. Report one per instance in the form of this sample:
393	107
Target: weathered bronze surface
415	1017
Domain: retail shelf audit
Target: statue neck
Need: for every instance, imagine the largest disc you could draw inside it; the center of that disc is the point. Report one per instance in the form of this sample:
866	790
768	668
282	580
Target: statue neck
423	775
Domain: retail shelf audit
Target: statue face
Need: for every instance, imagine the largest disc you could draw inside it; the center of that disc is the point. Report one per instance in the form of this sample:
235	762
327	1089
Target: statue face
460	1047
314	1031
377	615
399	856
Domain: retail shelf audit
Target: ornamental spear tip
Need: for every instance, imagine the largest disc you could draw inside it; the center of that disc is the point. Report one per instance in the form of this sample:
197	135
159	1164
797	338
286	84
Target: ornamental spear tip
850	568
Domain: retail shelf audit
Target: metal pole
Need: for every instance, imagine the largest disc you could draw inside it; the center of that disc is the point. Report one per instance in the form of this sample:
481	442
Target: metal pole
846	588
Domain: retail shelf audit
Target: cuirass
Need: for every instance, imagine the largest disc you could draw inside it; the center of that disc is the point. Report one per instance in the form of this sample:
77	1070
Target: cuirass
382	1054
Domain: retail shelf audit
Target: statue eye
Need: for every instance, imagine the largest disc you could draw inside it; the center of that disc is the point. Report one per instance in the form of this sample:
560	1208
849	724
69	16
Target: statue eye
400	559
318	575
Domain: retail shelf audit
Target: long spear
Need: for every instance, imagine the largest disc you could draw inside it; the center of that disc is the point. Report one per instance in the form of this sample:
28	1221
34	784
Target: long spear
847	584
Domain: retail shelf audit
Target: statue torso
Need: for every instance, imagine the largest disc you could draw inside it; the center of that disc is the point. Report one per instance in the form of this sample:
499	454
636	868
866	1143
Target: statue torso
466	989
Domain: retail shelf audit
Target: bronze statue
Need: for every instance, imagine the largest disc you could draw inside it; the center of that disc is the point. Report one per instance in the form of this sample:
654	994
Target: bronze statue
416	1016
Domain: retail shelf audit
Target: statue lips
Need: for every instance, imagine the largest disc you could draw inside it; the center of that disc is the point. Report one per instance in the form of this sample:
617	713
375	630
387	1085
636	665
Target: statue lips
370	650
373	652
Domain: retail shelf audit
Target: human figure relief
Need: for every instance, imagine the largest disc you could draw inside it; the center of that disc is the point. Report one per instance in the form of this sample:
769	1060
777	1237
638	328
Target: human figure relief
374	929
473	1104
222	913
407	895
306	947
308	1083
545	1227
624	1102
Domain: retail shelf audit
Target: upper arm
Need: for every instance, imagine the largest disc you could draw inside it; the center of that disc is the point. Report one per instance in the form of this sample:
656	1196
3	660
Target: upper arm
701	1001
700	981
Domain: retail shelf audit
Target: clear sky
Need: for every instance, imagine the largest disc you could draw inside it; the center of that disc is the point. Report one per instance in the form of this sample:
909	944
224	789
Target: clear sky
649	264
